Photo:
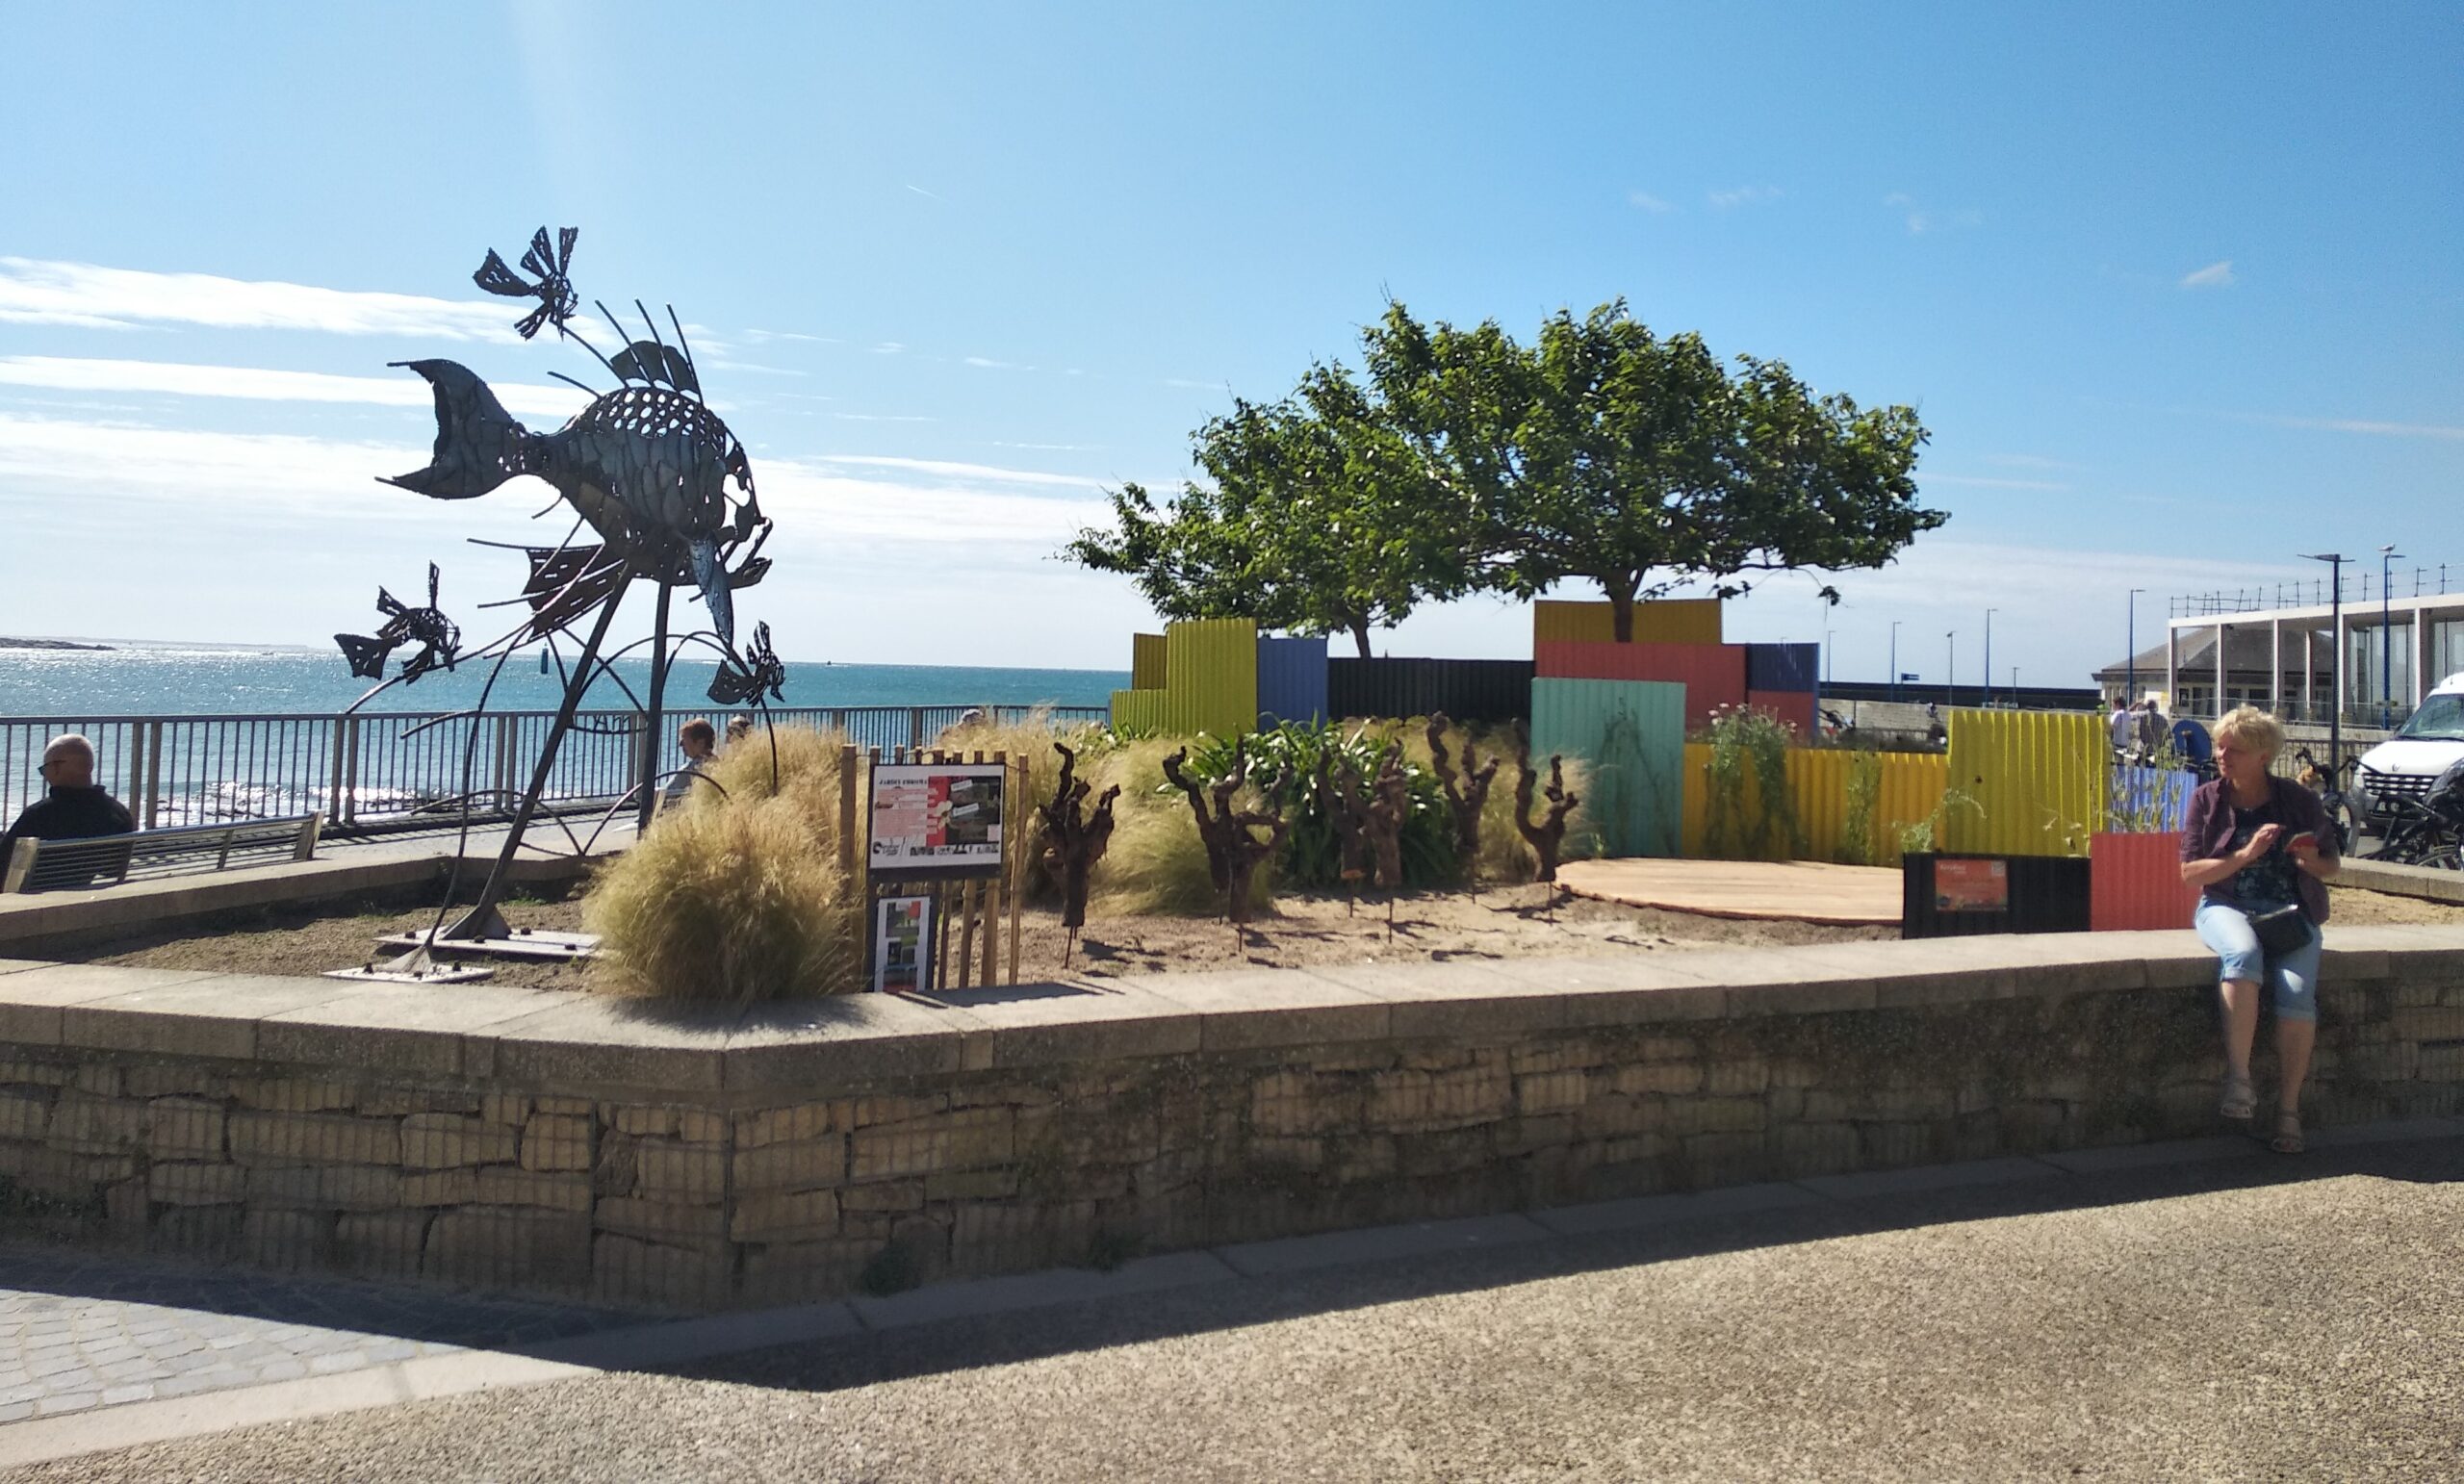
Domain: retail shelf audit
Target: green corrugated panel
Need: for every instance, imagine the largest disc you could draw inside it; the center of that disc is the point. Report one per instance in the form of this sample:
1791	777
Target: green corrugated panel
1139	710
1214	669
1633	736
2039	779
1146	664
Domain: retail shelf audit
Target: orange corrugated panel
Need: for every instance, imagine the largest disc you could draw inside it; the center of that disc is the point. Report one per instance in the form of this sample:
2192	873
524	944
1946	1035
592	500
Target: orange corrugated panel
1661	621
2135	882
1714	675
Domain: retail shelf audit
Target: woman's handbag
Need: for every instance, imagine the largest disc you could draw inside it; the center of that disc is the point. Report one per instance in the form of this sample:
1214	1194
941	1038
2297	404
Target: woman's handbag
2280	932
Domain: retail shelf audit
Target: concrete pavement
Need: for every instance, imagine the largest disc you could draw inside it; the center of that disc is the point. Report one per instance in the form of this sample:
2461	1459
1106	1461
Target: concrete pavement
2197	1310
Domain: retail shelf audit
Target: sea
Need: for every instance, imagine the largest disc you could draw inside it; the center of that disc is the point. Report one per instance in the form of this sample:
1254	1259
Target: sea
205	679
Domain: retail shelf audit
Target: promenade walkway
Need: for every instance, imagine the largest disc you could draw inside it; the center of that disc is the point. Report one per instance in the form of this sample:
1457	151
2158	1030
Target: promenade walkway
2197	1309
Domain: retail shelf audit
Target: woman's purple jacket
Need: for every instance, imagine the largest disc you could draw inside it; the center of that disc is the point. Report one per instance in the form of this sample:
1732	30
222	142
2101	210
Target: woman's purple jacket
2208	835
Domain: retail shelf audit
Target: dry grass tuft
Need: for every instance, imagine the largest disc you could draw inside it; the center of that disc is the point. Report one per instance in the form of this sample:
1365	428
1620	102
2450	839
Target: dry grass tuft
737	897
1156	863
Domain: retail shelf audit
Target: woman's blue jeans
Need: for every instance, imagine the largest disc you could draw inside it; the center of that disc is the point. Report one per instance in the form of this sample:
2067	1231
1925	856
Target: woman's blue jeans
2292	979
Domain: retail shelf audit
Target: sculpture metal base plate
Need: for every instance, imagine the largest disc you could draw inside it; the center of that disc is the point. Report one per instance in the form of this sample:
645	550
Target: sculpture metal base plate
520	943
434	974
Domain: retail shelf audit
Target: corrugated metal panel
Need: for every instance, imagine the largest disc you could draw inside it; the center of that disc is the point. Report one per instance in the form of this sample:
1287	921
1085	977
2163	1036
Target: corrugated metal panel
1147	670
2137	882
1663	620
1292	680
1714	675
1789	667
1214	669
1633	733
2156	799
1910	789
2039	779
1138	711
1491	691
1794	707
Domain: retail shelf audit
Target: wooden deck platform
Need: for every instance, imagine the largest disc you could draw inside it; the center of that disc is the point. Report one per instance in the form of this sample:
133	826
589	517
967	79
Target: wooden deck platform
1796	890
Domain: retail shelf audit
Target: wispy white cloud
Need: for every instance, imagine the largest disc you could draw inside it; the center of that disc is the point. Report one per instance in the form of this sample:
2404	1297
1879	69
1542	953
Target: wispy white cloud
2026	461
889	347
960	471
253	383
1984	482
989	363
35	291
2378	430
2215	275
883	416
929	195
1742	196
1050	448
764	337
1922	219
1644	200
1193	386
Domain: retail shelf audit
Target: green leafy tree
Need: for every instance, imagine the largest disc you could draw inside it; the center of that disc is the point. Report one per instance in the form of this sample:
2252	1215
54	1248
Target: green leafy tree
1640	462
1318	516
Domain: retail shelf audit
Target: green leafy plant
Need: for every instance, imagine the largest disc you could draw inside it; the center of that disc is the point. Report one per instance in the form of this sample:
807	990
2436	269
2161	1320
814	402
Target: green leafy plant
1918	839
1311	855
1859	841
1745	740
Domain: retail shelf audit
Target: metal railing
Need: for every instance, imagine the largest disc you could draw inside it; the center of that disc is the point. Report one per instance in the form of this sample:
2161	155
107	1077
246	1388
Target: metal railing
389	769
2361	586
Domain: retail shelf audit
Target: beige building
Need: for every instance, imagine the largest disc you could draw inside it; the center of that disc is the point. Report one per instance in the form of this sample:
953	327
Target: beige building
2295	661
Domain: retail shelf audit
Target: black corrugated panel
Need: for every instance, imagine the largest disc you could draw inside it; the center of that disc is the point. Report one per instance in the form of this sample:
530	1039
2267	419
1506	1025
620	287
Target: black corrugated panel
2046	894
1466	690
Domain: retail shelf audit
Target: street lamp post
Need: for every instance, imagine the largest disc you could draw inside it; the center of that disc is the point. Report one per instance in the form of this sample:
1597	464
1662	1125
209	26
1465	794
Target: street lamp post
1989	655
2386	638
1895	660
1830	659
1951	671
2335	561
2130	685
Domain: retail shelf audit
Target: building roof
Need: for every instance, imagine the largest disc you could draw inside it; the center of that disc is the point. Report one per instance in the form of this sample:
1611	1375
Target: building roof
2245	656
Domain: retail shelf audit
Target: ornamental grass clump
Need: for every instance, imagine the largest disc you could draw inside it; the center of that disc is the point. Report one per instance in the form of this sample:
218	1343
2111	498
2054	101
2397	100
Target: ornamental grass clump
734	894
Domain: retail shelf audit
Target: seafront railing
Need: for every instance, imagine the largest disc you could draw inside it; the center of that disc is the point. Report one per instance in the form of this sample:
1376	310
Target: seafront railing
381	770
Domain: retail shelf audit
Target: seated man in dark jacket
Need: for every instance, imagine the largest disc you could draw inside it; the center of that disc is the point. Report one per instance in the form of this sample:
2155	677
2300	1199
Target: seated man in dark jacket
75	809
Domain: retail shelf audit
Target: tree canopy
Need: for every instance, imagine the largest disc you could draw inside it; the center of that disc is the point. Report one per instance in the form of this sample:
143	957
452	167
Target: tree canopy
1469	462
1641	463
1318	518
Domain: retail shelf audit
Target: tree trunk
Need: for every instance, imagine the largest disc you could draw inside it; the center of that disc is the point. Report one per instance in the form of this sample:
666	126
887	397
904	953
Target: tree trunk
1360	636
1074	842
1621	607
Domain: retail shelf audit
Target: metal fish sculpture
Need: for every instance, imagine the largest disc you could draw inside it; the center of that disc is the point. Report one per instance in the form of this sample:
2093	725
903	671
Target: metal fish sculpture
648	466
437	636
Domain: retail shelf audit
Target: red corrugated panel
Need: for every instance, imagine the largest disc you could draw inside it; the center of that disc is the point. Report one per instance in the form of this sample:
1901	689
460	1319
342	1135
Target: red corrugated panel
1714	675
2136	883
1793	707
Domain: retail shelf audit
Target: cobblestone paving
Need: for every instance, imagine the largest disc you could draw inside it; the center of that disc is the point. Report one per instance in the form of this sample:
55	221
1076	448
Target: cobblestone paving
80	1331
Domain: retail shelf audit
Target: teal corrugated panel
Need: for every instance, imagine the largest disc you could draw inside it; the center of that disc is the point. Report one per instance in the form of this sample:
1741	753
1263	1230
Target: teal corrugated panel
1211	676
1631	735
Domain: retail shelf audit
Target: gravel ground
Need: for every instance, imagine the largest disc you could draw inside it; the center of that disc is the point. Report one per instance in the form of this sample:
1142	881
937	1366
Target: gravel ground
2254	1319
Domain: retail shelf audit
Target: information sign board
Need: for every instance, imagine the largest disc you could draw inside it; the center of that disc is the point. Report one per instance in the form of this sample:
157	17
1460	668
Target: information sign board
1971	885
936	819
903	945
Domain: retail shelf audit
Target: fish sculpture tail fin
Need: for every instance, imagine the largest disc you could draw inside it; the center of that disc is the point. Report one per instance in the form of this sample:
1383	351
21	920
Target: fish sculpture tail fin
716	595
366	656
479	444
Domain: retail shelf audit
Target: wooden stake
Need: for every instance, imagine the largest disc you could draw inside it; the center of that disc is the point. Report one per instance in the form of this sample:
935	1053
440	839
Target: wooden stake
1014	846
968	896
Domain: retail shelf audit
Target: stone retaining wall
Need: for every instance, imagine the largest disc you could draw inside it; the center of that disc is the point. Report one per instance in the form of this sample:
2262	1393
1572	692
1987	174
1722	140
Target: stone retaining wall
520	1139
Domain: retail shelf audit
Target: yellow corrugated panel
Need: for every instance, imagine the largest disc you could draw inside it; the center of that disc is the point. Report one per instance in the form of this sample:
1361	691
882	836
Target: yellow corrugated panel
1213	665
1138	711
1663	620
2039	779
1911	786
1147	668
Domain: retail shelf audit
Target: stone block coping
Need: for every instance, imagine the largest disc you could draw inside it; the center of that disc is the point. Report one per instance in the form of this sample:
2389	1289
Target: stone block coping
604	1043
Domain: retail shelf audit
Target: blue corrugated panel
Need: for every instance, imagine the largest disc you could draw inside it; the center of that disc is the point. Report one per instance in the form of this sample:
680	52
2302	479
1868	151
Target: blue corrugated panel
1789	667
1292	680
1633	736
2151	799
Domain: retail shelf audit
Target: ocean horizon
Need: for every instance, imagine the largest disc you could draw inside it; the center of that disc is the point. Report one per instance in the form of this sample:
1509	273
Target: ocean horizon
171	677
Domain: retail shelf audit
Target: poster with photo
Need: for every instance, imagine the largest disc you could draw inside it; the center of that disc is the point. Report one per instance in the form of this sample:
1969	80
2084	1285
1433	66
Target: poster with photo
936	819
901	945
1971	885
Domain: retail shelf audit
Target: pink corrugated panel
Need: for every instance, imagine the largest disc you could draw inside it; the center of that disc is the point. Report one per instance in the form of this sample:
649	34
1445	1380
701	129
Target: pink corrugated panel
1793	707
1714	675
2135	882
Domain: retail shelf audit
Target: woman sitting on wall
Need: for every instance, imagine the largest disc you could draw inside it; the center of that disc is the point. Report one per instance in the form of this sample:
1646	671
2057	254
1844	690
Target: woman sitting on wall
2259	848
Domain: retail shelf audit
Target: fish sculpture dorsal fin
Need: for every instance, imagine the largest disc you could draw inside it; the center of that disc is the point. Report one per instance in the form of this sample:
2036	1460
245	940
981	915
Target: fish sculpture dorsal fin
647	360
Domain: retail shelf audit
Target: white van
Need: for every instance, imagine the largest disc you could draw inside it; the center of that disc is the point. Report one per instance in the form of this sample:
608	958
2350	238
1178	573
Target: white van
2430	741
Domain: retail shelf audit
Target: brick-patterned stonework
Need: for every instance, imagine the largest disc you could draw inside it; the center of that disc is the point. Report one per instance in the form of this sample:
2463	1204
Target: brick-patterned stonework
518	1139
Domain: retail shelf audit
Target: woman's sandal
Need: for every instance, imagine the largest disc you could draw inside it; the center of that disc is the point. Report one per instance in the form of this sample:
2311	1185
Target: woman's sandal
2288	1133
2241	1102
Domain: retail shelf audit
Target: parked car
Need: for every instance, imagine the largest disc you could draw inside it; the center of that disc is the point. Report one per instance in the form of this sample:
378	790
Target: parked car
2430	741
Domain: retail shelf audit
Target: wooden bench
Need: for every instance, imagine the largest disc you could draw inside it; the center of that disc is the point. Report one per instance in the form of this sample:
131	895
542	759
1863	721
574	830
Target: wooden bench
72	865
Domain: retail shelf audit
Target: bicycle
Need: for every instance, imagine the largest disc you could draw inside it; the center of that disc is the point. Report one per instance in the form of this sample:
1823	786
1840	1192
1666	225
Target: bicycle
2335	795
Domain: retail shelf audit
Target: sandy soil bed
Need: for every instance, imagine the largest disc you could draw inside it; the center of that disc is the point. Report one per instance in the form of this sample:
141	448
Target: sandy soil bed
1508	922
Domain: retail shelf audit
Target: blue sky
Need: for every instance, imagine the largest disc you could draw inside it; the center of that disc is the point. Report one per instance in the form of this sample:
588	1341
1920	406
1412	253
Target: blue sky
2178	294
